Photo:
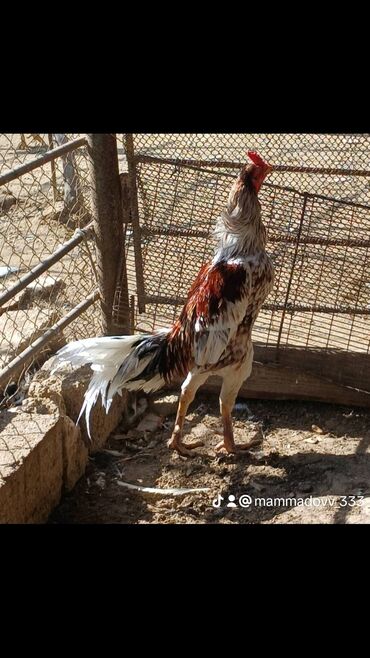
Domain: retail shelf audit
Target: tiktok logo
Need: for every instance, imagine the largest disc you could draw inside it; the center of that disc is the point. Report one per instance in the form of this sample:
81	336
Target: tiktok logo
217	501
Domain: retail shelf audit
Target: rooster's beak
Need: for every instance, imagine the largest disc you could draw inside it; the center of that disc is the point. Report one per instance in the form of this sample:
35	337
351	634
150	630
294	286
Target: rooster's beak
268	170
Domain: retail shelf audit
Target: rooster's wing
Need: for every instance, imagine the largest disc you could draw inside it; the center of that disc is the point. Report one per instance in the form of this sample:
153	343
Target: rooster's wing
216	306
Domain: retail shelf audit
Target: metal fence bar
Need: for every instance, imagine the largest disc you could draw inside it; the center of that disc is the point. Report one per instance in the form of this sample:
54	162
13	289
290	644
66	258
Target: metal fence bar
47	337
131	165
53	172
274	186
38	162
174	232
289	308
291	272
80	236
292	239
108	222
238	165
325	242
122	313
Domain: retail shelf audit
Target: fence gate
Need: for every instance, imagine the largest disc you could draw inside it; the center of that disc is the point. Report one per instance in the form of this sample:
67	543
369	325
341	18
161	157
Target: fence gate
313	334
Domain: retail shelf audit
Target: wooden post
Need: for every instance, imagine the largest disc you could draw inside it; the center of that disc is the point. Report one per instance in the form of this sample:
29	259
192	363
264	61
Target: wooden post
107	215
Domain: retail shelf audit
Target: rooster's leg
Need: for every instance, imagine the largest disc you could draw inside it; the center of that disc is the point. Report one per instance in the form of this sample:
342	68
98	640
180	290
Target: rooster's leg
228	442
230	388
188	391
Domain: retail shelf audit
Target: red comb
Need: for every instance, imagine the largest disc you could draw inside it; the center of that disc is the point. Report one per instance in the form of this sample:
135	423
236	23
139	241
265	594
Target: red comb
256	159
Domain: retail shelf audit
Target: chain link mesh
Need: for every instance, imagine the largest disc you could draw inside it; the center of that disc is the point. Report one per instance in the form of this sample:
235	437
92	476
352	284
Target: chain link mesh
39	212
316	207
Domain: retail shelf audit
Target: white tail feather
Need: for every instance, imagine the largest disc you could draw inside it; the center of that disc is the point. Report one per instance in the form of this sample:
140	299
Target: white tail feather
107	356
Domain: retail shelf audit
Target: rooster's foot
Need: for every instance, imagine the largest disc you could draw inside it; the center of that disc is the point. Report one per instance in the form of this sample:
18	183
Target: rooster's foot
183	449
231	448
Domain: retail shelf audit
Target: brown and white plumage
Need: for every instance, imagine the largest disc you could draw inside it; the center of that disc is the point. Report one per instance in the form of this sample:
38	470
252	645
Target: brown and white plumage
213	332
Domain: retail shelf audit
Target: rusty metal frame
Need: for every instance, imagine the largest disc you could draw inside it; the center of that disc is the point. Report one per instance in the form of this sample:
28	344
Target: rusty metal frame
135	220
237	165
287	308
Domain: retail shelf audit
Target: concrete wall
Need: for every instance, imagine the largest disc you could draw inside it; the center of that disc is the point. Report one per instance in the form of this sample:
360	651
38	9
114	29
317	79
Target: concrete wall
42	452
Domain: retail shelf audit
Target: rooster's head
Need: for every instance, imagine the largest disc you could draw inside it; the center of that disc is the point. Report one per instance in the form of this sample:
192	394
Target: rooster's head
253	175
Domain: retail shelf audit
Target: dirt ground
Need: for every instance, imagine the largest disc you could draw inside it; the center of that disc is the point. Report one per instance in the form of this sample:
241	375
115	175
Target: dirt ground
312	467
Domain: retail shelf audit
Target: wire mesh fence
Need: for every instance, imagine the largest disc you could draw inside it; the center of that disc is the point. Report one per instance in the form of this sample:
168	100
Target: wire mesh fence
318	164
316	207
40	211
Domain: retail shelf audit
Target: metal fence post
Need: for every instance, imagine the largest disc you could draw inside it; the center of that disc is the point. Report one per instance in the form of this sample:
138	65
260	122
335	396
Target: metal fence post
139	269
73	199
107	214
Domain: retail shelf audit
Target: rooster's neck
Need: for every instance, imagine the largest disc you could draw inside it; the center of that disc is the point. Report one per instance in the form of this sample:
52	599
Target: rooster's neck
239	235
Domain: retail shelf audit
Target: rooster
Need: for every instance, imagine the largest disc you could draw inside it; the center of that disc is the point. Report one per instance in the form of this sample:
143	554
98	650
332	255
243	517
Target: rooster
213	332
